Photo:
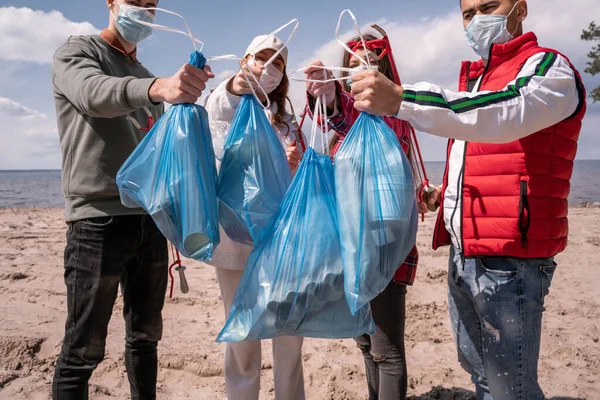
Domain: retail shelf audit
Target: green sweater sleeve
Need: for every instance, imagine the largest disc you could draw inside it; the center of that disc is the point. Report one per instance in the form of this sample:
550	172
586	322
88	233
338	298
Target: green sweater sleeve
77	75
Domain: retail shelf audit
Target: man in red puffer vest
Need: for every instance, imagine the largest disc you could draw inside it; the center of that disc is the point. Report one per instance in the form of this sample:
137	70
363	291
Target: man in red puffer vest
513	128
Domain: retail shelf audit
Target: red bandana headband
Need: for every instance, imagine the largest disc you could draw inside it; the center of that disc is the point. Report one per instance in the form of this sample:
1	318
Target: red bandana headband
376	44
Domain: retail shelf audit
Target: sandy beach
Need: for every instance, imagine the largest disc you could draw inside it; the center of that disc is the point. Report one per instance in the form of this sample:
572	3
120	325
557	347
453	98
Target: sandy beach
32	314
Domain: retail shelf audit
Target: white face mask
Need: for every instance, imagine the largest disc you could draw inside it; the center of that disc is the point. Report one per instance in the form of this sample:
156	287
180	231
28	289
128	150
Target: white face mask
485	30
270	78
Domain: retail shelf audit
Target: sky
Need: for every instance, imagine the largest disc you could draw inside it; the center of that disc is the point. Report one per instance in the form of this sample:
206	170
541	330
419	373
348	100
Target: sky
427	38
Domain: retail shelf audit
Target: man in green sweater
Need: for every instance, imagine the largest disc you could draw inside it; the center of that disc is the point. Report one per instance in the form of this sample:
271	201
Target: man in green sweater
106	101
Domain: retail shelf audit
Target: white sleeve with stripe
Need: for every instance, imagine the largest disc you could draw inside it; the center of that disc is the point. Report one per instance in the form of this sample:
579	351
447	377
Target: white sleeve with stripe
544	93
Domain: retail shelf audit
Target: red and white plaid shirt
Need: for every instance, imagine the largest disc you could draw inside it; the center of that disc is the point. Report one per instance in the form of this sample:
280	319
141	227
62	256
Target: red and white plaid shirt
341	124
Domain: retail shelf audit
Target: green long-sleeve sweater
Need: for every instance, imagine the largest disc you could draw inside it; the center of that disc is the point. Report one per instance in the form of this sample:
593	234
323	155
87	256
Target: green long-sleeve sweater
96	88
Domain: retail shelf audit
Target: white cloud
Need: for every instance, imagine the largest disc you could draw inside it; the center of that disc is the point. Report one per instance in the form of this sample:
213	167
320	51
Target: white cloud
431	50
228	73
29	139
13	109
40	131
33	35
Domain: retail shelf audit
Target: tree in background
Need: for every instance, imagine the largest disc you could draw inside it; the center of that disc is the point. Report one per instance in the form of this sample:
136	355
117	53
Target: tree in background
593	66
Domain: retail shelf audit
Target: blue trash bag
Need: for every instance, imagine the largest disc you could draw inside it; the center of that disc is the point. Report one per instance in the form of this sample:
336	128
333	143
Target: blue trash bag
376	206
293	282
254	175
172	175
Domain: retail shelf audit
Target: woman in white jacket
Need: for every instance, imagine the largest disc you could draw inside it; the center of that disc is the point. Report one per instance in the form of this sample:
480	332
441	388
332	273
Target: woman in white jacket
243	360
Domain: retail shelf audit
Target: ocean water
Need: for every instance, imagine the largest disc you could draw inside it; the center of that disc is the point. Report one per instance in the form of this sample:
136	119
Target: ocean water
43	188
30	189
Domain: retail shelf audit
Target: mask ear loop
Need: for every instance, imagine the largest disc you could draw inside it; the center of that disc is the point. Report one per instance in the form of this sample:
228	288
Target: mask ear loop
316	116
509	14
366	60
324	126
224	57
325	129
188	34
275	32
334	79
320	114
247	76
166	28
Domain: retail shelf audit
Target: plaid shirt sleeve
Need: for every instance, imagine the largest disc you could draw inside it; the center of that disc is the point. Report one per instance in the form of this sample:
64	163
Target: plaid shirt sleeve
407	272
342	122
402	131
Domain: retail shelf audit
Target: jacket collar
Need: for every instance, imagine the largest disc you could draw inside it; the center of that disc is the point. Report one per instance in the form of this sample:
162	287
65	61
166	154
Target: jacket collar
500	53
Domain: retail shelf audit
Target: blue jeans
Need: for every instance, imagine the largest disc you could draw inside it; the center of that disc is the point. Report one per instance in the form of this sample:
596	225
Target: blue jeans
496	307
101	254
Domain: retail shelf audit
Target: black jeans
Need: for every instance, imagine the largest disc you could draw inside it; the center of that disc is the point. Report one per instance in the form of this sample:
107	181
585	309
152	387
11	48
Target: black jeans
383	351
102	253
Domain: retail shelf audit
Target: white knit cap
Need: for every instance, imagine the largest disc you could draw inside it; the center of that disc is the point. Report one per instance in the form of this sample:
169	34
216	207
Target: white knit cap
264	42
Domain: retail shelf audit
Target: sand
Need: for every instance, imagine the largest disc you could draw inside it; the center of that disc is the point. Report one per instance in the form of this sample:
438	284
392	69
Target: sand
32	314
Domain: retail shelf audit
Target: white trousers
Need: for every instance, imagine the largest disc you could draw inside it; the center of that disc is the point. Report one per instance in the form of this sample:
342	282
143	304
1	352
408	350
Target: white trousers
243	361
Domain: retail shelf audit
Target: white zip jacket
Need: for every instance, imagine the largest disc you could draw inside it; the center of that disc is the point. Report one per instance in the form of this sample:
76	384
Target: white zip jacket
543	94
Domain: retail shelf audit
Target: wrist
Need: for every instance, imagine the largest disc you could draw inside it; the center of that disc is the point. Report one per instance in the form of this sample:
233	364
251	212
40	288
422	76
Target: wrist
332	103
230	89
333	109
399	94
155	91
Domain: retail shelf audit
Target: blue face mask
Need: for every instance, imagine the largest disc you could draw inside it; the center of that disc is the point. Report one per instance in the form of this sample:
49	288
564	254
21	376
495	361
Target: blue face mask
127	24
485	30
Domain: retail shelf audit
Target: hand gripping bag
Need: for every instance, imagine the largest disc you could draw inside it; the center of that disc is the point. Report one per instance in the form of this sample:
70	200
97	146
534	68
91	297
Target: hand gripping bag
254	175
376	205
293	282
172	175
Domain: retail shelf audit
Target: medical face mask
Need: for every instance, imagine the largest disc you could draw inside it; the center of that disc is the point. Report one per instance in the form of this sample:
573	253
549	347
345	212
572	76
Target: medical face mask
485	30
361	67
128	27
270	78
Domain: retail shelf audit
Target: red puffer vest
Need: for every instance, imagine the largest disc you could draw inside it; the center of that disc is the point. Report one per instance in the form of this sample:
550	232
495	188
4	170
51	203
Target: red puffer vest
515	194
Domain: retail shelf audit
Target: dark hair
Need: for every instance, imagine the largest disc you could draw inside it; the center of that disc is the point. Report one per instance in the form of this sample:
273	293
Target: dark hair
278	96
460	3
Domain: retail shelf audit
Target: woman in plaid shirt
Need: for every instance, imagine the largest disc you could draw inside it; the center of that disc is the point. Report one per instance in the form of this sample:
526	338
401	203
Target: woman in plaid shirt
384	354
